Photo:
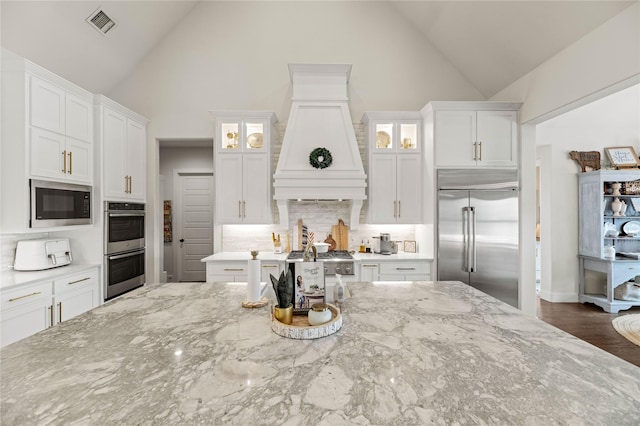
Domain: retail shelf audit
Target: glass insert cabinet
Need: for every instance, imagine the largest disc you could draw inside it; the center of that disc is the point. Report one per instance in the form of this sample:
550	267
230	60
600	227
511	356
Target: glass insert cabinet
241	135
395	135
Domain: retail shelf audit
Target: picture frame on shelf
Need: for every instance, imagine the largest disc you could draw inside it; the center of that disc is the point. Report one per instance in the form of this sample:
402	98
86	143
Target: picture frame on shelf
410	246
622	157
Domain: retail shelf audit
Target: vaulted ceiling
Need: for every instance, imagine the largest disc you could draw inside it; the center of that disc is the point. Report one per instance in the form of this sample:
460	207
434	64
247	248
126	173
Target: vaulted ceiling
492	43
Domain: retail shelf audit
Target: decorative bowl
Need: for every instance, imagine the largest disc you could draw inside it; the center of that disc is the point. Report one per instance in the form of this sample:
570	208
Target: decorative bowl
321	247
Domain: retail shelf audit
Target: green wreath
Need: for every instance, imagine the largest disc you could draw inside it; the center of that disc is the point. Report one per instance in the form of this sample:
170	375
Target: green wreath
320	158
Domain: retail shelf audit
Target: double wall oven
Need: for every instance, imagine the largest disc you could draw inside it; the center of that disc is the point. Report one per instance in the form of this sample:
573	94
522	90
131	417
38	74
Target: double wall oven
124	254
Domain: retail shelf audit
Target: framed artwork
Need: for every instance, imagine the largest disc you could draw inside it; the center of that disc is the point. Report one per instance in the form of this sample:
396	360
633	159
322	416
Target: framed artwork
308	282
410	246
622	157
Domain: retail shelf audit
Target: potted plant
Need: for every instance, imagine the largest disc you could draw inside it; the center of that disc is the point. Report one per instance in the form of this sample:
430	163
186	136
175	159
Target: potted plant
283	288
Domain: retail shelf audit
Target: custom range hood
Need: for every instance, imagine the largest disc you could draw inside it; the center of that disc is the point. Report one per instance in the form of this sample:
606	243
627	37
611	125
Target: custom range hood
319	118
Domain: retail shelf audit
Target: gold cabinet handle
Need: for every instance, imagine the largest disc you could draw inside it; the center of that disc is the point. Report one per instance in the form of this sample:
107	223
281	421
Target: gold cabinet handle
244	209
369	266
480	144
64	161
35	293
130	184
78	281
233	269
398	208
395	208
475	151
51	315
60	311
405	269
269	266
70	163
126	184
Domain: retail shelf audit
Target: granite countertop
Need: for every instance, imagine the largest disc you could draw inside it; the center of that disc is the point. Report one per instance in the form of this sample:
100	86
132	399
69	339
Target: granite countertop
390	257
281	257
241	255
10	278
415	353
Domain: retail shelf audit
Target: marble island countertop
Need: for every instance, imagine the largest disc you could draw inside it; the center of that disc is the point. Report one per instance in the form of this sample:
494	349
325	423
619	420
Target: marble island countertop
415	353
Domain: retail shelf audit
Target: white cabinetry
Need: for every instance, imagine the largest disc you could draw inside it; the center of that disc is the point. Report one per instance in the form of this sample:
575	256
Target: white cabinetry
25	311
61	140
596	201
47	133
76	294
33	307
394	150
237	270
123	137
243	166
473	134
395	270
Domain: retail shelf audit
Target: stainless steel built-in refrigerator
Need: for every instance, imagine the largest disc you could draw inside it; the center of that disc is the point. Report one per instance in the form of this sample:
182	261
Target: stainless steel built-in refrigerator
478	230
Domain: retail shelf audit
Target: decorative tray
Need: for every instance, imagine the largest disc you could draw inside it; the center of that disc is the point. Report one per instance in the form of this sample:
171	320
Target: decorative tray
300	328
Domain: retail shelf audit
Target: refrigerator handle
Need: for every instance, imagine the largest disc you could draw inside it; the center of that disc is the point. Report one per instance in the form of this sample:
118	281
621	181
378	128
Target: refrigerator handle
465	237
473	243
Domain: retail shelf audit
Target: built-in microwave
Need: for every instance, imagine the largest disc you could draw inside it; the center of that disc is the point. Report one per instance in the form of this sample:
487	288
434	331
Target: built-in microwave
59	204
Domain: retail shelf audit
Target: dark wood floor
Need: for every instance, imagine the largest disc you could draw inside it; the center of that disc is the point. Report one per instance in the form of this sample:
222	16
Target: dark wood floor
591	324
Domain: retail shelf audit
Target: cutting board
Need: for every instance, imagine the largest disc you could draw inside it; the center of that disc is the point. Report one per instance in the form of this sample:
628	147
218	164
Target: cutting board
340	233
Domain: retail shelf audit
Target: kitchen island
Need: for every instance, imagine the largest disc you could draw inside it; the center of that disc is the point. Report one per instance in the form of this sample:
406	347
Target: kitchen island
414	353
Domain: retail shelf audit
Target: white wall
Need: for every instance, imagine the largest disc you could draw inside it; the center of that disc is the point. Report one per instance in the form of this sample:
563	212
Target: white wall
172	159
589	128
604	57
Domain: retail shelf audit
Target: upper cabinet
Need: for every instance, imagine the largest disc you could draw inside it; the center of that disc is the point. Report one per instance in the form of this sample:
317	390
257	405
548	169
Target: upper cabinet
473	134
243	166
47	134
394	152
123	137
60	132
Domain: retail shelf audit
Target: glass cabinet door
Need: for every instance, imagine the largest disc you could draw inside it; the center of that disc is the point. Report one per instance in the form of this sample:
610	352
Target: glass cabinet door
229	136
408	136
384	137
254	139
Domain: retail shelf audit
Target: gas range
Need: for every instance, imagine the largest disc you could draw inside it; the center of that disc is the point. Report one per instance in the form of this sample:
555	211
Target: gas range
335	261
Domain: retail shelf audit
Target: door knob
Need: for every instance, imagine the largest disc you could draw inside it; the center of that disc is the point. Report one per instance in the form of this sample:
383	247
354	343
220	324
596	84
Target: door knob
181	242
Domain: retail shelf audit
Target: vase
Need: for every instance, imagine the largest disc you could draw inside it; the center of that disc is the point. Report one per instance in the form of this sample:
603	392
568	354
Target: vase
284	315
616	188
616	205
319	314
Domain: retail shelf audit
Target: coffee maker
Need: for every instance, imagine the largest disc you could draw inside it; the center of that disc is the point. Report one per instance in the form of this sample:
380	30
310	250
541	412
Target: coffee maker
386	245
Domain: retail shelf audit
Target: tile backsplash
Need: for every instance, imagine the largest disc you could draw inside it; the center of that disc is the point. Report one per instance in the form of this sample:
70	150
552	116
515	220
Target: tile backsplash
318	216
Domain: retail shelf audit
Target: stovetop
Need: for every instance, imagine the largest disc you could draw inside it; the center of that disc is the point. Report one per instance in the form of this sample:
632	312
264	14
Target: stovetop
333	255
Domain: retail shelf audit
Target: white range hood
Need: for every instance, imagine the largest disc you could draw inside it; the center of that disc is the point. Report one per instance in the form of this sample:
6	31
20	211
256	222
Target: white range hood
319	118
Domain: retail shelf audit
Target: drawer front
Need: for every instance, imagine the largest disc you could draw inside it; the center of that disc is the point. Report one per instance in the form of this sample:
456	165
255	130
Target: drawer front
227	268
26	294
76	281
267	269
404	268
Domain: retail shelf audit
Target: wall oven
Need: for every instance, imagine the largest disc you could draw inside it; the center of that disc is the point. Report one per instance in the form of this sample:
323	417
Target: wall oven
59	204
124	247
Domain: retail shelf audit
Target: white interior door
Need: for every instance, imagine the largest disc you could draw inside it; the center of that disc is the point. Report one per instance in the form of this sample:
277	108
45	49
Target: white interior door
193	235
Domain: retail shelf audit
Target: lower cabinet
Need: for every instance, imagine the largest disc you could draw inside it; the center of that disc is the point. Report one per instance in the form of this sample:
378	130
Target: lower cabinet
395	270
25	311
34	307
76	294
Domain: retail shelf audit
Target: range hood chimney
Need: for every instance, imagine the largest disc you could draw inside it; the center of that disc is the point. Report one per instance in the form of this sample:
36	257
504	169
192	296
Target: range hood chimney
319	118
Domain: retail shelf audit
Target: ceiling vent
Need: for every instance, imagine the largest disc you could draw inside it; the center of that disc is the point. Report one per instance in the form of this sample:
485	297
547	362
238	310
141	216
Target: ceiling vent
100	21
